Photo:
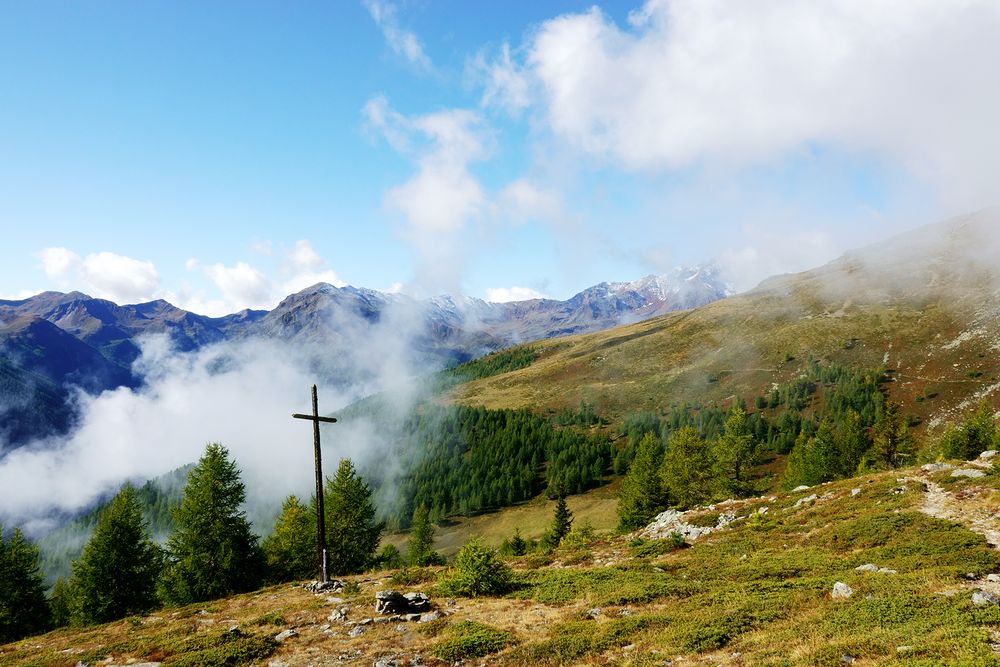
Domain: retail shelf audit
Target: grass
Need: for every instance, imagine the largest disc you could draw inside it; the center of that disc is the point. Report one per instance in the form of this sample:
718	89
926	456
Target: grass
759	588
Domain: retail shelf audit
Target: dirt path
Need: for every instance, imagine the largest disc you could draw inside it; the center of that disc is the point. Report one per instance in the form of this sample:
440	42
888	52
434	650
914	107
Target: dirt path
941	504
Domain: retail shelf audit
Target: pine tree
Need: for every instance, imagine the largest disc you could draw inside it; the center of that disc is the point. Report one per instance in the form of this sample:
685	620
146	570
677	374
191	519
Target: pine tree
562	521
212	551
735	451
290	551
640	496
61	602
117	572
686	471
852	443
23	609
352	533
892	443
420	548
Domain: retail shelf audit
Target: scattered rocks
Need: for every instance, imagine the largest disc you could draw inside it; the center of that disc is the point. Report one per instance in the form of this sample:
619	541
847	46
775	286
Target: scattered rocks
334	585
673	521
936	467
905	648
339	614
356	631
989	454
285	634
847	659
593	613
393	602
968	472
855	492
429	616
993	578
385	662
801	487
807	500
872	567
985	598
841	591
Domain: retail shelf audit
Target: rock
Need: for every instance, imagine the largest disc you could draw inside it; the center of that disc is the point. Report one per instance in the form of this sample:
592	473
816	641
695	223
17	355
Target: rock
855	492
905	648
334	585
985	598
385	662
418	601
808	500
339	614
968	472
335	600
993	578
593	613
285	634
841	590
392	602
989	454
847	659
451	602
936	467
356	631
411	618
872	567
429	616
802	487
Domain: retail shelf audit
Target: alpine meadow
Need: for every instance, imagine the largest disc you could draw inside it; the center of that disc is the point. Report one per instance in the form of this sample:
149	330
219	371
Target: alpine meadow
644	332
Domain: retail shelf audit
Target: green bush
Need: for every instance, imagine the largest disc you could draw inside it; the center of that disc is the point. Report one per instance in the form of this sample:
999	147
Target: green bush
469	639
478	570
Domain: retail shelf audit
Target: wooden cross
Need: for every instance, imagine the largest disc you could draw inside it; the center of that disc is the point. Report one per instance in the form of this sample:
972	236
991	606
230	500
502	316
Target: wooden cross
320	523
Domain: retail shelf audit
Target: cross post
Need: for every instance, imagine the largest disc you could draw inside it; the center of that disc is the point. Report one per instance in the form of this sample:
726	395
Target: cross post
320	523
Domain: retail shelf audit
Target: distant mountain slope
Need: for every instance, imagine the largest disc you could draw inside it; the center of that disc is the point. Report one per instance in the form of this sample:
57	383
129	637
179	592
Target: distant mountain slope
925	304
54	341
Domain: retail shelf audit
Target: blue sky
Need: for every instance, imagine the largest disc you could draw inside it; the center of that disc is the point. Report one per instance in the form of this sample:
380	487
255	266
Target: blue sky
221	155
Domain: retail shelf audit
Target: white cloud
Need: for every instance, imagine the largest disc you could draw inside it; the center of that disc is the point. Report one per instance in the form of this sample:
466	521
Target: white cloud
402	42
522	201
59	264
741	83
504	82
120	279
105	275
441	200
242	285
505	294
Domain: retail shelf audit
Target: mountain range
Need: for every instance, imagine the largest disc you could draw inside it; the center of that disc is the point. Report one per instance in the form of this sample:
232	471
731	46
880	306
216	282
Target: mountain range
54	344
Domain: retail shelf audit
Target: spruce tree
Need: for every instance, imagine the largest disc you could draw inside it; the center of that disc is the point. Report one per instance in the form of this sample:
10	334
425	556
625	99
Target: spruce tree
290	551
735	451
23	609
640	496
562	520
420	548
212	552
352	532
117	572
686	471
892	443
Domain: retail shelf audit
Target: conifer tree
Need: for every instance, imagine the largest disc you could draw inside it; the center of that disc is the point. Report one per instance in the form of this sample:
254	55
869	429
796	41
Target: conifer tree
116	574
686	471
420	548
23	609
61	602
562	521
640	496
892	443
290	551
735	451
852	443
212	551
352	533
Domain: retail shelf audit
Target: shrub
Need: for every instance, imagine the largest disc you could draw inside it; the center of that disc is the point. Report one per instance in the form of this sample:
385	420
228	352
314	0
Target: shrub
469	639
478	570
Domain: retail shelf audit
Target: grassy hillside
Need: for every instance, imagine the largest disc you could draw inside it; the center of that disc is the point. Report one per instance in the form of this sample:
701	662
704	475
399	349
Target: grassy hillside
925	306
758	591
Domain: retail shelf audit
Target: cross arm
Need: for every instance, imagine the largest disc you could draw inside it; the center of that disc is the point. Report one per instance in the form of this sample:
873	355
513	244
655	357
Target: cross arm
328	420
